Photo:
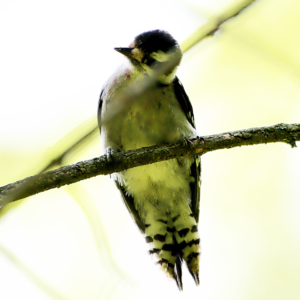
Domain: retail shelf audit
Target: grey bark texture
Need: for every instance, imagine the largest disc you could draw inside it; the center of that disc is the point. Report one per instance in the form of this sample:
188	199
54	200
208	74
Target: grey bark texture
286	133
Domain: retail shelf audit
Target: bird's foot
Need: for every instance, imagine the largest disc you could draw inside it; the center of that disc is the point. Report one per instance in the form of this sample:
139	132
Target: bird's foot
109	151
187	142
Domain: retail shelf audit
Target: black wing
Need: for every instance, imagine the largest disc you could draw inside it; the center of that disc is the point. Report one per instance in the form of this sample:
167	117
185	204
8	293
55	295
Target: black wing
187	108
129	202
184	101
100	103
127	198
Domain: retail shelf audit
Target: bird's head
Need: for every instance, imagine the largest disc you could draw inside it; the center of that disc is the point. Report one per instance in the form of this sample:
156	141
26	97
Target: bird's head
154	51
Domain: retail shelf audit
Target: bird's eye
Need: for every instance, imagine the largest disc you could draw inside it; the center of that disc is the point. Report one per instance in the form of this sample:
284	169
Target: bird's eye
150	61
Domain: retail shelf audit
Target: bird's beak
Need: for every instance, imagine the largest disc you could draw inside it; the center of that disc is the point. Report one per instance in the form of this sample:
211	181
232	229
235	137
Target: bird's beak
126	51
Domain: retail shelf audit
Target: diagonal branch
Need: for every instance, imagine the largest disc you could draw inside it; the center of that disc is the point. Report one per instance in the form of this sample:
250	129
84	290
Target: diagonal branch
286	133
214	23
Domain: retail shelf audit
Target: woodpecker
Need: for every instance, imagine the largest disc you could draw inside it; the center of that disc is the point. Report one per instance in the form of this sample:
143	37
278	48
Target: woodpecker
163	198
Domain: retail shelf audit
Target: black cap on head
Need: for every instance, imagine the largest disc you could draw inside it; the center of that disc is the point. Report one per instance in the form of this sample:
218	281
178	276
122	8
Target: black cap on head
155	40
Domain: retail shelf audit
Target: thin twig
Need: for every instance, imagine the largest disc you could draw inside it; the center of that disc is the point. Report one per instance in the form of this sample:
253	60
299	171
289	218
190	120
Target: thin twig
214	23
36	278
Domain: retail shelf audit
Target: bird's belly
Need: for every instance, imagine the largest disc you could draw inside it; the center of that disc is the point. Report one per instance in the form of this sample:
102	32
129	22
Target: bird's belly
155	120
159	187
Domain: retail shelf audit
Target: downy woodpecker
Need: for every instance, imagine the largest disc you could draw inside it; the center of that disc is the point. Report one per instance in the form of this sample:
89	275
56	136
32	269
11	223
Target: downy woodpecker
163	198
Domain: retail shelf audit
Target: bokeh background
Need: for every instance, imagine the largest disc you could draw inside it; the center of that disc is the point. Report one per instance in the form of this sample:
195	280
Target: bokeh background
79	242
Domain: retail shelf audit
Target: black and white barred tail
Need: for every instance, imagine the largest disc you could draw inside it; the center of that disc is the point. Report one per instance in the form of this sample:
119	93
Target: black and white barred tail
172	240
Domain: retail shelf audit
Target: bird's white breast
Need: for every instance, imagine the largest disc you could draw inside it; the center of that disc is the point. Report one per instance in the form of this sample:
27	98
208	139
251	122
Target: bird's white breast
156	118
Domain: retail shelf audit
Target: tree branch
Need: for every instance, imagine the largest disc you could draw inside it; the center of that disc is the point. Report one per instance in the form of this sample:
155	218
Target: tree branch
286	133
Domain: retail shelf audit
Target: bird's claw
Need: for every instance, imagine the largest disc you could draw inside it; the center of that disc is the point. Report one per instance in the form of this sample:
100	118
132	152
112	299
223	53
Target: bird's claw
109	154
187	142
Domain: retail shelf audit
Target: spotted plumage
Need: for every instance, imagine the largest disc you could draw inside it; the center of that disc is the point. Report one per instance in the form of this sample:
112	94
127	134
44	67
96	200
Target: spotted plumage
163	198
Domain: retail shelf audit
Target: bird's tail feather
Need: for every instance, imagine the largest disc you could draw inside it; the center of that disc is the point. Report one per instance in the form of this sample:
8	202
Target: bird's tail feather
176	241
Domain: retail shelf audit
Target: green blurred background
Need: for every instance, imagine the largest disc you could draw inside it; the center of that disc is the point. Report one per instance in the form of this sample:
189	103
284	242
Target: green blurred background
79	242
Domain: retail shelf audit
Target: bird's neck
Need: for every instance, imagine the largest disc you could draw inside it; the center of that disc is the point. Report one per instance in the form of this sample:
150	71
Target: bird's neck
165	79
